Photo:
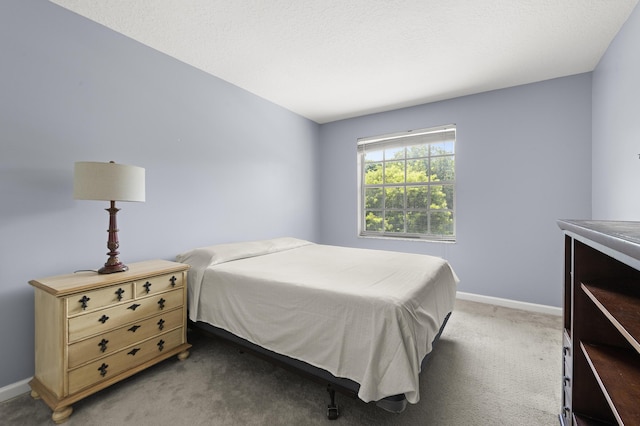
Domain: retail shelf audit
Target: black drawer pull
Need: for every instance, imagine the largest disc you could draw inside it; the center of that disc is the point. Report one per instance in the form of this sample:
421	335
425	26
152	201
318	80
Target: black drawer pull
161	302
134	306
103	369
133	351
133	328
147	286
161	345
103	319
173	281
119	293
83	302
103	345
161	324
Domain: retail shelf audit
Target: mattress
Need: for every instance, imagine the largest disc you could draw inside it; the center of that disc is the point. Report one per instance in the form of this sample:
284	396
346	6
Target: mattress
366	315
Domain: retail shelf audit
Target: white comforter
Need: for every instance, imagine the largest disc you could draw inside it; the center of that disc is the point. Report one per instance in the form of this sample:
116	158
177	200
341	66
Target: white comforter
366	315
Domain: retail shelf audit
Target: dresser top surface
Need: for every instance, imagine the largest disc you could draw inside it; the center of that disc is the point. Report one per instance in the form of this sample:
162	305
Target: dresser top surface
62	285
621	236
629	231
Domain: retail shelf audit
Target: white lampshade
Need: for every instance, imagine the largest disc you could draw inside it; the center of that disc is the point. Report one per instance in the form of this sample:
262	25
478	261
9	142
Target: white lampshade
108	182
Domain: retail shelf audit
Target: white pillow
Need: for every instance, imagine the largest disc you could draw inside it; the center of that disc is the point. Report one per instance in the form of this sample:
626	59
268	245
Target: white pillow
212	255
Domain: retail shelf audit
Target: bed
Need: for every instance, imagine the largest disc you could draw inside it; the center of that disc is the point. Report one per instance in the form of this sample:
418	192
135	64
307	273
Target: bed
362	320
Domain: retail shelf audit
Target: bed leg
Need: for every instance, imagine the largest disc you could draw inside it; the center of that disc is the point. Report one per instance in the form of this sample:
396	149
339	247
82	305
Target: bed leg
332	409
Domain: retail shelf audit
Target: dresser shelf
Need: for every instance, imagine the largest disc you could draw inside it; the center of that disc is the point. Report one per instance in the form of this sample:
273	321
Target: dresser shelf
620	306
579	420
615	370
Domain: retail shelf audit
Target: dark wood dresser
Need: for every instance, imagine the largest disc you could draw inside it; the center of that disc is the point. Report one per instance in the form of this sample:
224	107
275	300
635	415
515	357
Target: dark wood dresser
601	349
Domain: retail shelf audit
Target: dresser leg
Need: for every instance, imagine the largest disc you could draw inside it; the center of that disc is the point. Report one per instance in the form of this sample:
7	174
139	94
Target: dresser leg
62	414
35	395
183	355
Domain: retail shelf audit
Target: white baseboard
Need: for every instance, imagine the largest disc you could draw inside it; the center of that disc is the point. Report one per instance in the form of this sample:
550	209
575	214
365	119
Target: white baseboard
11	391
507	303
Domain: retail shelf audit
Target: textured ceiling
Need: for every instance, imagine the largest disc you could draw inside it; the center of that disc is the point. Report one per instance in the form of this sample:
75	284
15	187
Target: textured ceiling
334	59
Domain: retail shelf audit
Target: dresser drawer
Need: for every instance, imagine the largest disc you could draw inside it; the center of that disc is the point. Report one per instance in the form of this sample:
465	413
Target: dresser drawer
160	283
96	299
98	322
126	359
112	341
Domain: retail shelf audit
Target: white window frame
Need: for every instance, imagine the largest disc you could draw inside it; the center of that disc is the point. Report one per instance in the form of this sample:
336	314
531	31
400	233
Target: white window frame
410	138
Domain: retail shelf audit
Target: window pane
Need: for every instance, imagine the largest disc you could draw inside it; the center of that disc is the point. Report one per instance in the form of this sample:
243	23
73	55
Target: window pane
442	148
417	197
373	173
374	221
373	155
418	151
394	222
417	171
438	197
448	196
394	197
373	198
394	172
443	168
417	222
442	223
394	153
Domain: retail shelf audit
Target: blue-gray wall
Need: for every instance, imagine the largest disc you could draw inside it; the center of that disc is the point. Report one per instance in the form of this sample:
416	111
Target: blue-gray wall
221	164
616	127
523	160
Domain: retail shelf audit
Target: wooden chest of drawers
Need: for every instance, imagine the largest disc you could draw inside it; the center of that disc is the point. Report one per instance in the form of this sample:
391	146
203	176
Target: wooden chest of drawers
93	330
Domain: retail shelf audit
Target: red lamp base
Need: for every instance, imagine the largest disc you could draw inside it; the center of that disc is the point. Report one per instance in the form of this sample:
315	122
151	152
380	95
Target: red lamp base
110	269
113	263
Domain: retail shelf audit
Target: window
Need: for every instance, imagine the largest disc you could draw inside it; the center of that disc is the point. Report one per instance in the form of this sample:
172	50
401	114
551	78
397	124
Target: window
407	184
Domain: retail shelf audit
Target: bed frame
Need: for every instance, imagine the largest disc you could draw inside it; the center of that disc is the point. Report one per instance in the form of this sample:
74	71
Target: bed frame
394	404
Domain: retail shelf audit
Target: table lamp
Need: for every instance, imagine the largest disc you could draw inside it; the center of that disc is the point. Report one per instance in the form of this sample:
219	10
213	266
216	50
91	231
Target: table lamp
109	182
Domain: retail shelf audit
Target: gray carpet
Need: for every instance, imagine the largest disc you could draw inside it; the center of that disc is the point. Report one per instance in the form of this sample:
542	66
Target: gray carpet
492	366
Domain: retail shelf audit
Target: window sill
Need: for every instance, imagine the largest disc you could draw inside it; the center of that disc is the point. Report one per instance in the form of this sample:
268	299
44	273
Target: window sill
416	239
